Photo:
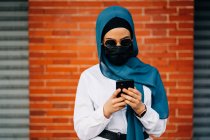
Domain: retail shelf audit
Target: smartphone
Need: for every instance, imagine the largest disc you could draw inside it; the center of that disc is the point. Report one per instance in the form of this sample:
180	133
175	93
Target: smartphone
124	84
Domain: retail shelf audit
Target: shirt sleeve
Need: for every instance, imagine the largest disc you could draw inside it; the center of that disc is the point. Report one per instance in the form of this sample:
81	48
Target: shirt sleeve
88	122
152	124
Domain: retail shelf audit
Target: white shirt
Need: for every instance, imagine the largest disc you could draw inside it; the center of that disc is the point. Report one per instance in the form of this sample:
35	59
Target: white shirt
93	90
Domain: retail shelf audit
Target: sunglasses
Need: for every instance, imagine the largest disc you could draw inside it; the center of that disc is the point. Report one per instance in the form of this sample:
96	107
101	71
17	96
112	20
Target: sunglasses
113	43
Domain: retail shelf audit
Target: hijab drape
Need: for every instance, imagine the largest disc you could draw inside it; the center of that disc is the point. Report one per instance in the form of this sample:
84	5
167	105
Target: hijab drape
134	68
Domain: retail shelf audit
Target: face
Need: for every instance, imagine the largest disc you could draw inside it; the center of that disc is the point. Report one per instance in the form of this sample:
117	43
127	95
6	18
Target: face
118	46
118	35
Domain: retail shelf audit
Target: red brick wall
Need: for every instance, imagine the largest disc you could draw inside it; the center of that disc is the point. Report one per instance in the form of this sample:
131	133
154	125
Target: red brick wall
62	45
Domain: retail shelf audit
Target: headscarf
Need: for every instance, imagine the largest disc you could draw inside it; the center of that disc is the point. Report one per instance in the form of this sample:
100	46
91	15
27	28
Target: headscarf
134	68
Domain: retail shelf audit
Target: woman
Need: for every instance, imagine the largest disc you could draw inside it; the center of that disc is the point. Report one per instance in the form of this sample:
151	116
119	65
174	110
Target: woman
137	114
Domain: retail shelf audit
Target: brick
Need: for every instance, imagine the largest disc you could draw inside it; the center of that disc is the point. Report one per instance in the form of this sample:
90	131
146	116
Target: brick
37	34
40	62
181	18
62	134
181	63
186	41
143	33
135	11
142	18
37	69
162	18
180	76
161	26
184	112
60	40
185	69
181	47
40	91
181	91
66	102
188	55
159	62
159	55
171	127
186	83
34	26
61	69
89	26
158	32
61	120
37	113
170	84
34	120
40	134
180	120
182	128
37	11
160	40
88	11
37	83
186	11
160	3
39	105
63	4
180	33
182	3
167	69
160	11
65	91
185	134
186	26
179	99
59	113
136	4
57	127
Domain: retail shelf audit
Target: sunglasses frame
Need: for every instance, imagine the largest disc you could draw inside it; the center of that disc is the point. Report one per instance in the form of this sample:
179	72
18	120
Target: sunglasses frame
111	46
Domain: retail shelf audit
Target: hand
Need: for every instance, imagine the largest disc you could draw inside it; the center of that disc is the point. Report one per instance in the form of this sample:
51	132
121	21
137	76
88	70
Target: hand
114	104
133	98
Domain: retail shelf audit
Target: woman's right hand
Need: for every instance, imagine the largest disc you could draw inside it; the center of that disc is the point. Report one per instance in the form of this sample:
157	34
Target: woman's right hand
114	104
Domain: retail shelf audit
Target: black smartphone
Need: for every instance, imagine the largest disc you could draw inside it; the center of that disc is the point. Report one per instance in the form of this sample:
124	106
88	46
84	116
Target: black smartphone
124	84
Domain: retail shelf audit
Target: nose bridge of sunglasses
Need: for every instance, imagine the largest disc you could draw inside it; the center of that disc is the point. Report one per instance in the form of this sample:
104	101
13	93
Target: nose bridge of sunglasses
118	43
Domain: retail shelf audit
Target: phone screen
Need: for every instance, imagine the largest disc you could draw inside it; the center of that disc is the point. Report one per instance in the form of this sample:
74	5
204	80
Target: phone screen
124	84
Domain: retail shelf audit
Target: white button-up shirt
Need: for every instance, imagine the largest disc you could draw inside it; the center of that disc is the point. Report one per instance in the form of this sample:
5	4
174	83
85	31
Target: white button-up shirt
93	90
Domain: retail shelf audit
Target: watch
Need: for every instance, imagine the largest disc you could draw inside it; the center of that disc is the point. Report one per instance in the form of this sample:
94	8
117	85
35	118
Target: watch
143	112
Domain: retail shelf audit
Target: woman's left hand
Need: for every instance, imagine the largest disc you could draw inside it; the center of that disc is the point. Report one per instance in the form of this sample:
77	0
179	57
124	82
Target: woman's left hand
133	98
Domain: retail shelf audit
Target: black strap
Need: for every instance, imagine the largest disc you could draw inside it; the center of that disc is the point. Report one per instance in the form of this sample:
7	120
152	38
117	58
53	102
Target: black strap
112	135
117	136
146	136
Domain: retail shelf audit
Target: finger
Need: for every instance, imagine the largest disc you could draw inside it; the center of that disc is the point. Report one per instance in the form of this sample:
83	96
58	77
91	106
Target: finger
121	104
116	93
117	100
119	108
138	94
134	90
130	103
129	98
130	93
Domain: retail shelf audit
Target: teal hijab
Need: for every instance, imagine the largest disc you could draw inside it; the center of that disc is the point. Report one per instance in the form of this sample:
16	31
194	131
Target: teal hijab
141	73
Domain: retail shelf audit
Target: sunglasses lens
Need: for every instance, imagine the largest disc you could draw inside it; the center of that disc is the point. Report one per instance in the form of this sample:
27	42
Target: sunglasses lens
110	43
126	42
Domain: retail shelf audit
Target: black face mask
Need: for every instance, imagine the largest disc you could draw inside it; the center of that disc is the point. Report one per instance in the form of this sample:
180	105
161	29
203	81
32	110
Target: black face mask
118	55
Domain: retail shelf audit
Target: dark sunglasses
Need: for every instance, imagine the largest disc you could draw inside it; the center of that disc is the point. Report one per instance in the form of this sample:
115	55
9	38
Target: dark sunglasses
123	42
